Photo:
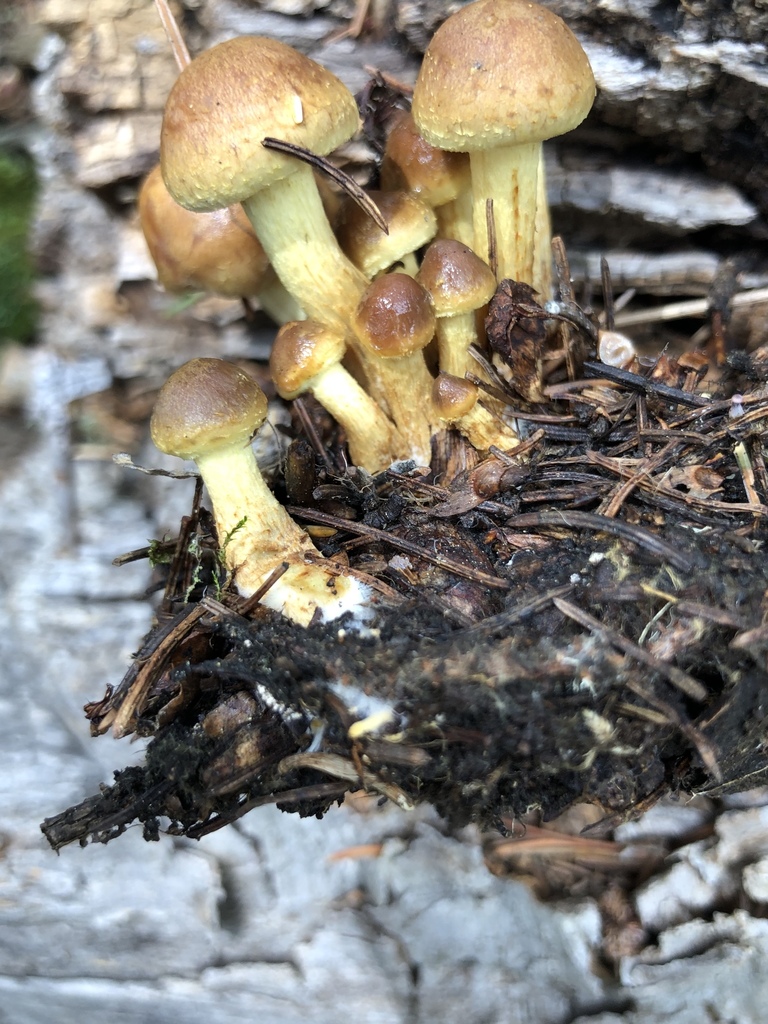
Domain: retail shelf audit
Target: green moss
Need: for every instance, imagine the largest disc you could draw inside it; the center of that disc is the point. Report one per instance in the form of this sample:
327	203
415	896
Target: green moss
160	553
18	188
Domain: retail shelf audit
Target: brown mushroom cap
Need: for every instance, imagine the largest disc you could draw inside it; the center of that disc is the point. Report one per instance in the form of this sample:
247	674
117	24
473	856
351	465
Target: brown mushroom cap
301	351
395	316
453	397
207	405
411	163
501	73
411	223
215	252
227	100
457	280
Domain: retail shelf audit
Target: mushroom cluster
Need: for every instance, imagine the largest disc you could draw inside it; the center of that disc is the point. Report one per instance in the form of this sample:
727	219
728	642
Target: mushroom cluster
378	325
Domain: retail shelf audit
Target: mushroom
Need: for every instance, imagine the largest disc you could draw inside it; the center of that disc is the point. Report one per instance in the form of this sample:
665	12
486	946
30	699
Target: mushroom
455	402
306	356
208	411
213	252
498	78
393	323
218	112
411	223
459	284
440	178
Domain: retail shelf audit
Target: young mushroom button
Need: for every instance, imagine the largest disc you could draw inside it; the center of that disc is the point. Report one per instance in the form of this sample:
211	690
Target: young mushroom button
498	78
411	224
208	411
394	322
455	402
218	112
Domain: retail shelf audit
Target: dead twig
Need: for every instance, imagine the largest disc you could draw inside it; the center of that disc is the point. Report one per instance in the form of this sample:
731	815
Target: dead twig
342	179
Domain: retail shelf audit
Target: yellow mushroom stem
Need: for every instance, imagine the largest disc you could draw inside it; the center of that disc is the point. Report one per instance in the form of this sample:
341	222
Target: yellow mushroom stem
507	171
290	221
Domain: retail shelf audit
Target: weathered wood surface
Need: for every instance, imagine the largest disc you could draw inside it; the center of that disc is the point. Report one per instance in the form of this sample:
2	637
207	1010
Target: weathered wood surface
256	922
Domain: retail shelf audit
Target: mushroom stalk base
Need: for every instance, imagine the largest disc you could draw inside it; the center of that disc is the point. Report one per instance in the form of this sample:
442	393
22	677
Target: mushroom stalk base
308	593
509	176
256	535
255	532
482	429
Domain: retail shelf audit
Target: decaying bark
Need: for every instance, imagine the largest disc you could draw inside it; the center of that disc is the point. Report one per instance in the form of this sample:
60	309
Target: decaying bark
272	920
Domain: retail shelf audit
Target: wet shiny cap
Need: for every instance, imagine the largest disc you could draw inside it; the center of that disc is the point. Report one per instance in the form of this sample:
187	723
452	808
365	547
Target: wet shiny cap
453	397
206	405
302	350
457	280
214	252
395	317
411	163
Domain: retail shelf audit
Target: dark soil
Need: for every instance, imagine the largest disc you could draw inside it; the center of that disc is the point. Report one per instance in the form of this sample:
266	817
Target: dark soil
610	649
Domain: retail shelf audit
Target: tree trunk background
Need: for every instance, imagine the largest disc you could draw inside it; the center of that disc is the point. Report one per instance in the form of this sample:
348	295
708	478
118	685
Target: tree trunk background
669	179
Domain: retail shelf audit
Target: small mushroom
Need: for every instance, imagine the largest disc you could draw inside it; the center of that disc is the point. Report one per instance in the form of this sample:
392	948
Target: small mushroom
455	402
394	322
306	356
459	284
208	411
411	224
436	176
